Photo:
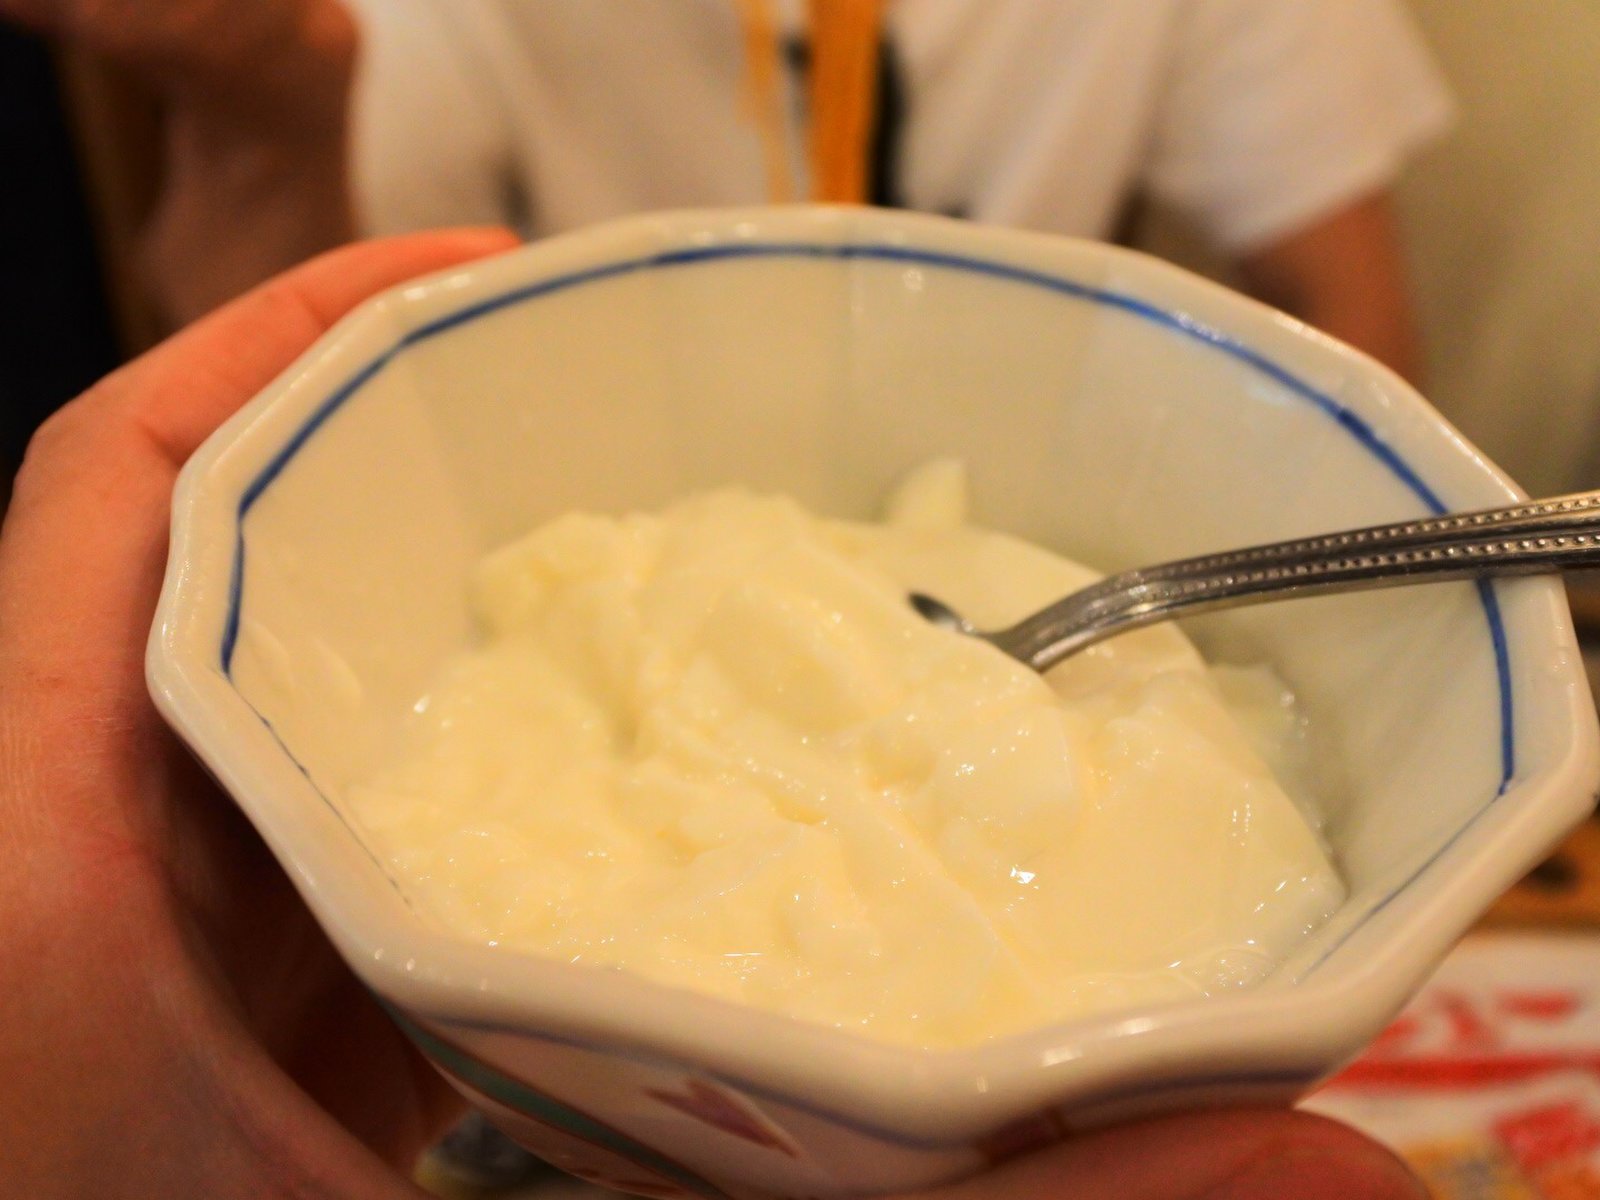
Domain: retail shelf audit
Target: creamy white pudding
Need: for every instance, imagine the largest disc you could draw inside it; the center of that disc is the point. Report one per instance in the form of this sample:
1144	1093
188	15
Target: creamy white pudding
715	746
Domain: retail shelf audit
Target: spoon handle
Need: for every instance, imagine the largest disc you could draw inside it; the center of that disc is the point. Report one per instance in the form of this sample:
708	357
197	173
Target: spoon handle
1562	514
1522	539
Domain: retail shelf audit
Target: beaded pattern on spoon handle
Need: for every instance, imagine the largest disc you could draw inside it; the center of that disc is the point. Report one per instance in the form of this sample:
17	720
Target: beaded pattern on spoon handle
1522	539
1536	553
1534	516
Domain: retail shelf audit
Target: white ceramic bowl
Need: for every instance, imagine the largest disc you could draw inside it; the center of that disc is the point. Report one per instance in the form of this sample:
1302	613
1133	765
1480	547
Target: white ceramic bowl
1108	405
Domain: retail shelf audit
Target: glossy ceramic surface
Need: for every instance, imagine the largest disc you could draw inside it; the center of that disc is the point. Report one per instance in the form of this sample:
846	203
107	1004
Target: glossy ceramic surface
321	539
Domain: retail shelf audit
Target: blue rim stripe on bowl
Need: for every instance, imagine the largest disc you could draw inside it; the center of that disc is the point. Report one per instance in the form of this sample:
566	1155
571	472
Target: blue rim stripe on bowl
1348	421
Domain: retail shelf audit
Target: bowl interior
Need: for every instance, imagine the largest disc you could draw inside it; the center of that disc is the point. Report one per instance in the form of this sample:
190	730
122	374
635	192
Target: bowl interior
1108	406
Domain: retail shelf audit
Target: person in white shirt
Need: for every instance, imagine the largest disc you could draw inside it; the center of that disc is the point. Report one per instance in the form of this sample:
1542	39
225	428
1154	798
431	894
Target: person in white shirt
1275	126
1257	117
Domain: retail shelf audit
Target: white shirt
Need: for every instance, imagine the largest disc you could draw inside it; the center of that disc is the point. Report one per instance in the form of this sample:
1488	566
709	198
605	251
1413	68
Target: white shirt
1253	117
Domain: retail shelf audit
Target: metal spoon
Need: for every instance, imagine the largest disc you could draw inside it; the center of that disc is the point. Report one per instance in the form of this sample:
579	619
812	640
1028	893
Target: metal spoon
1523	539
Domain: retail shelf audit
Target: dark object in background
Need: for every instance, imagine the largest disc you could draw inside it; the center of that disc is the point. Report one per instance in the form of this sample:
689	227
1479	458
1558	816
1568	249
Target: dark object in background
478	1155
56	334
888	118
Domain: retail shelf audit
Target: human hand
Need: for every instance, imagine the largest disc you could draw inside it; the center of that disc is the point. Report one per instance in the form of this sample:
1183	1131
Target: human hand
173	1024
1241	1154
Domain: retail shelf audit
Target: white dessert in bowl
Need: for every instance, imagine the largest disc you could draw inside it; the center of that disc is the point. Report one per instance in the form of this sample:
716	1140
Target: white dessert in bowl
1108	406
715	745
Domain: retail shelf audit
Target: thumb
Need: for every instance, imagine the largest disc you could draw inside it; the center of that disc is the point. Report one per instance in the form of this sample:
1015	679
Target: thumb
1242	1154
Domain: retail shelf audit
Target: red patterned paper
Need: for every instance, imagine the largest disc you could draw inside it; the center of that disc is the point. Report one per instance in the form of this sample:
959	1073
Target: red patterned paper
1489	1082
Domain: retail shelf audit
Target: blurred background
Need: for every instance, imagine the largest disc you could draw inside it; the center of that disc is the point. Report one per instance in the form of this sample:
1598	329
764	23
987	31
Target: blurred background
1500	236
1500	225
1497	218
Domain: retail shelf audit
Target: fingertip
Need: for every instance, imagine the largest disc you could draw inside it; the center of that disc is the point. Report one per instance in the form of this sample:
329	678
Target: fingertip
335	282
1239	1154
435	249
405	255
485	239
181	390
1311	1157
449	245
